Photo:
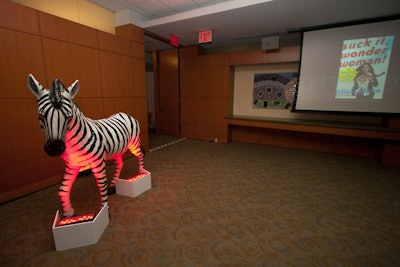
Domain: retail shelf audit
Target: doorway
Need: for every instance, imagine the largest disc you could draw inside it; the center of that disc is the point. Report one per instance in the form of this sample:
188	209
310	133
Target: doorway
167	92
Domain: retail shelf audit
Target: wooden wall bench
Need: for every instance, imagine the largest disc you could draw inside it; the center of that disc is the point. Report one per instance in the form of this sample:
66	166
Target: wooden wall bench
322	127
388	138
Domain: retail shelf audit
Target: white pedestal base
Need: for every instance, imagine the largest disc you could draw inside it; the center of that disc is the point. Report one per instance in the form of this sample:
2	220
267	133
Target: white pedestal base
133	187
80	234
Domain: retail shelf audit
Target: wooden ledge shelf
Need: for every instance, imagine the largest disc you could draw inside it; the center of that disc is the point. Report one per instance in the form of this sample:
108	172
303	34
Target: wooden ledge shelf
321	127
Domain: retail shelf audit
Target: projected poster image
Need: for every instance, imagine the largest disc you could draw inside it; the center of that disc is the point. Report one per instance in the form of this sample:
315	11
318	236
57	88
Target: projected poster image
363	68
274	90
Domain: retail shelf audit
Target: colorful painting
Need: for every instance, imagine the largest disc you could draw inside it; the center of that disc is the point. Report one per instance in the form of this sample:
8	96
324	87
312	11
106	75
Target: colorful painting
274	90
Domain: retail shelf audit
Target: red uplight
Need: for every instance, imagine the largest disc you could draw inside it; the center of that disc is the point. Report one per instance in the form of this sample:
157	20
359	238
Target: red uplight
76	219
137	177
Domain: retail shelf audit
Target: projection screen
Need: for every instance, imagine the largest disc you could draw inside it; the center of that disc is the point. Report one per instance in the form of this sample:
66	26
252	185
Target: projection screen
351	69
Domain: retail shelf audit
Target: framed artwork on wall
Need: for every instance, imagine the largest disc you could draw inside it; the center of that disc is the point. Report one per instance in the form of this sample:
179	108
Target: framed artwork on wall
274	90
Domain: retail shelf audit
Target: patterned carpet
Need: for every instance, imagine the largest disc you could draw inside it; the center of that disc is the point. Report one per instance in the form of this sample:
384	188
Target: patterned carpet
230	204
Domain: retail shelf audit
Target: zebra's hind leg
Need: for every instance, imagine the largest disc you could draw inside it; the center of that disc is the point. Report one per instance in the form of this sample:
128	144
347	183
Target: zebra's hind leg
138	151
64	191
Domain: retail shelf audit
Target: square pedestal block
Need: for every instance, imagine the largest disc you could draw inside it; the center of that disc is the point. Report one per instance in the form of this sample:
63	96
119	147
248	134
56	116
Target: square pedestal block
134	186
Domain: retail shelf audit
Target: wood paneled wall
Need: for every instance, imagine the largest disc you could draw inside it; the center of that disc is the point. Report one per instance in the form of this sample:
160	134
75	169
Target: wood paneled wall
110	68
204	95
207	87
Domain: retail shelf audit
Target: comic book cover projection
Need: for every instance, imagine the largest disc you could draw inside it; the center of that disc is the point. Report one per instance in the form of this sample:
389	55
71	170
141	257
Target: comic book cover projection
363	68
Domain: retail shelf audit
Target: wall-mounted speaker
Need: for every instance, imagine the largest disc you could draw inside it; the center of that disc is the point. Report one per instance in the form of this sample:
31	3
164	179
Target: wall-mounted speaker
269	43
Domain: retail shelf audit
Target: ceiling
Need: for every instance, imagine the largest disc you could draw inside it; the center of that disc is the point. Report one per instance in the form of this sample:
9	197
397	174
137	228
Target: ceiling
235	22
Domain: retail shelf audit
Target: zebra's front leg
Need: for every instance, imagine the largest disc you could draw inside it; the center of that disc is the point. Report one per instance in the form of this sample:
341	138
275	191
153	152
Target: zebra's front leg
99	173
64	192
119	163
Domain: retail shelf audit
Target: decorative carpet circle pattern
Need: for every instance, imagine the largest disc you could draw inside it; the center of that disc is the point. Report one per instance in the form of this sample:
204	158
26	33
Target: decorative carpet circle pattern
224	205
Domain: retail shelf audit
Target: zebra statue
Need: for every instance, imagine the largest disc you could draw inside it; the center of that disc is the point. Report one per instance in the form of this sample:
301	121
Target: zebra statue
82	142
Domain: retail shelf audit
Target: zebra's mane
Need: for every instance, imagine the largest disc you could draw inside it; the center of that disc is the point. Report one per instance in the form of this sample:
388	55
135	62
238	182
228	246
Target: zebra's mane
55	93
57	98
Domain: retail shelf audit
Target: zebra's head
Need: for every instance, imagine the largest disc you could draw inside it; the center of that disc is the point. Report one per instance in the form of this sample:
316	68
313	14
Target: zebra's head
55	112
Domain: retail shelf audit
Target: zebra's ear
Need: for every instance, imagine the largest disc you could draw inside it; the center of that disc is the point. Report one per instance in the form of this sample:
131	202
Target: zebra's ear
74	88
35	87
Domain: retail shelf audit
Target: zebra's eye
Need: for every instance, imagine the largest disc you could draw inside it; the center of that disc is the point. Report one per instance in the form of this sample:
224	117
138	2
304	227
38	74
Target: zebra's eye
69	117
41	118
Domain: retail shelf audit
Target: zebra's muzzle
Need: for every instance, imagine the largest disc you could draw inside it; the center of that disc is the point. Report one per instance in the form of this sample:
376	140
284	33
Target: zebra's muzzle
54	147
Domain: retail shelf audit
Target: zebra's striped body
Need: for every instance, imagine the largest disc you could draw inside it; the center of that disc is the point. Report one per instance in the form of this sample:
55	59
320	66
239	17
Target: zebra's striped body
82	142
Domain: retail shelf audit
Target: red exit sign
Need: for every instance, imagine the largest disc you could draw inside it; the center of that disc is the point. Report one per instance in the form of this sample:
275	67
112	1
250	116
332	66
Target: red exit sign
205	37
174	40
